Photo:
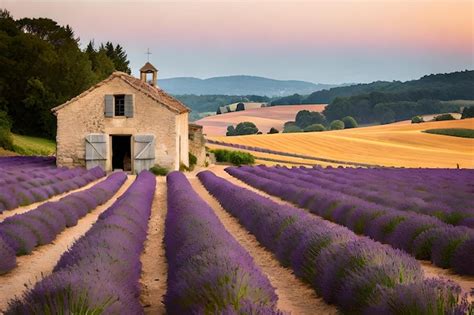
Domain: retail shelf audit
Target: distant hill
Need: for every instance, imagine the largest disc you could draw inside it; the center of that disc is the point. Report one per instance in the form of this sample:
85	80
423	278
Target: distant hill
239	85
442	86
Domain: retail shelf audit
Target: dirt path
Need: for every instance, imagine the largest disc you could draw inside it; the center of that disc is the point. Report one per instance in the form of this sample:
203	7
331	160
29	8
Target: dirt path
154	272
466	282
30	268
293	295
9	213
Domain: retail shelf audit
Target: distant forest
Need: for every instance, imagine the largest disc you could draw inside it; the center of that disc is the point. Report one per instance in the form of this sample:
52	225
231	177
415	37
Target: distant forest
385	102
43	66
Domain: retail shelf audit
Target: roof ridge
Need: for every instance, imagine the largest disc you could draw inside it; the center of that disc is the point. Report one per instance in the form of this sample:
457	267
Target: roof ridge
154	93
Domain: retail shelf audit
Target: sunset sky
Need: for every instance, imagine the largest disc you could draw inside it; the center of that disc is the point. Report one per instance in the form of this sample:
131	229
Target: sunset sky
318	41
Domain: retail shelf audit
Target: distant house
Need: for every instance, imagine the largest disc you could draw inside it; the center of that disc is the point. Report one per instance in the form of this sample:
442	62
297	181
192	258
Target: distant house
123	123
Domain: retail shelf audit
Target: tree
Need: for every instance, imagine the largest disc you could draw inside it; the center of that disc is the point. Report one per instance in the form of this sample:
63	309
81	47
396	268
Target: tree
230	131
6	140
246	128
337	125
468	112
349	122
243	128
292	129
314	127
417	119
273	130
218	111
443	117
42	66
118	56
305	118
240	107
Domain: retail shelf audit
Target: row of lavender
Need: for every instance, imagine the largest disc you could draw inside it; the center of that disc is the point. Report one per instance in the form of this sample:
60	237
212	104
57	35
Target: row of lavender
100	273
38	189
357	274
14	161
442	193
423	236
21	233
208	270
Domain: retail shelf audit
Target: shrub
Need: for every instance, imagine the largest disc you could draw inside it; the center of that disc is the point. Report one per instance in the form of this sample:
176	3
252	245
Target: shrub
273	130
192	160
443	117
6	140
314	127
349	122
292	128
468	112
240	158
234	157
159	170
417	119
221	155
337	125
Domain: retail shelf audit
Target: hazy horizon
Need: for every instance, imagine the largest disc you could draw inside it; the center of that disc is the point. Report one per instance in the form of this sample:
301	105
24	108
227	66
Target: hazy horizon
317	41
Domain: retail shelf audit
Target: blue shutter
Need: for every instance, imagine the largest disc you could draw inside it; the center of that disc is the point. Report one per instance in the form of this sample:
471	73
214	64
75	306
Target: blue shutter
129	105
109	106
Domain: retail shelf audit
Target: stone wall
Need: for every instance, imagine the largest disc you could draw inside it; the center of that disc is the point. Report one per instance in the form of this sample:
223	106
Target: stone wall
197	143
86	115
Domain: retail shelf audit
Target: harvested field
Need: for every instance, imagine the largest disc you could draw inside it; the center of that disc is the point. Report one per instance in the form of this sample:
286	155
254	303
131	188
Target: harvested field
387	145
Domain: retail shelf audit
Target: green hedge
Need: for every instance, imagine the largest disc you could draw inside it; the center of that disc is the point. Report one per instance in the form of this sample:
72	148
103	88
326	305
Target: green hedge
234	157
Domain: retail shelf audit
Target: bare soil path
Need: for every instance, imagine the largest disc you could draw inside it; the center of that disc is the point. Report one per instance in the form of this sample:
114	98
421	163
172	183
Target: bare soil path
431	271
9	213
155	268
294	296
41	262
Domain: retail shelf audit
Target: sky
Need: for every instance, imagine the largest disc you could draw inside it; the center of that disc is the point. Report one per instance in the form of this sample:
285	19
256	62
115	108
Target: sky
322	41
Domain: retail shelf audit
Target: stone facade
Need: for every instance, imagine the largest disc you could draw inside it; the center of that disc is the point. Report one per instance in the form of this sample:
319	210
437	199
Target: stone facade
84	115
197	143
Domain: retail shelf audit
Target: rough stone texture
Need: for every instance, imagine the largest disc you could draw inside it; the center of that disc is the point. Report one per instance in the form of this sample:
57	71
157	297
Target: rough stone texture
85	115
197	143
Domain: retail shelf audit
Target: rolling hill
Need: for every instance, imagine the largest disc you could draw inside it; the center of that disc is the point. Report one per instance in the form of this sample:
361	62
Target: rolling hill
239	85
399	145
264	118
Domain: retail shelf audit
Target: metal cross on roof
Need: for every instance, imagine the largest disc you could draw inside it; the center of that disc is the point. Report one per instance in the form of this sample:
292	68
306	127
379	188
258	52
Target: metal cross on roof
148	54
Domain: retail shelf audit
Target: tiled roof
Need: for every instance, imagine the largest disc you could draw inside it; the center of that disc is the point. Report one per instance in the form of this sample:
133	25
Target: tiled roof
155	93
148	67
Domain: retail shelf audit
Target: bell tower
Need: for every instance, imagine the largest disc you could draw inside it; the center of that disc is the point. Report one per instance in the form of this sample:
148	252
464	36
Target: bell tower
145	70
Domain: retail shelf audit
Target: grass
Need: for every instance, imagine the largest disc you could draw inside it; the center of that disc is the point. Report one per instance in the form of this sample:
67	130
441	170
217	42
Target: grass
455	132
27	145
399	145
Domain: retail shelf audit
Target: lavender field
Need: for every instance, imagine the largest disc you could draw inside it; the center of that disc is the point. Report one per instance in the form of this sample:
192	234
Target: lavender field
345	240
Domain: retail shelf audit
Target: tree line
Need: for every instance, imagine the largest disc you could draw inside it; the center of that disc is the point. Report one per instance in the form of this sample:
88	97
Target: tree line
43	66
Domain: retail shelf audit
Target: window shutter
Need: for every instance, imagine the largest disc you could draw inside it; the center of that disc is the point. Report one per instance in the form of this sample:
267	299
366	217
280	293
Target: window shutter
109	106
129	105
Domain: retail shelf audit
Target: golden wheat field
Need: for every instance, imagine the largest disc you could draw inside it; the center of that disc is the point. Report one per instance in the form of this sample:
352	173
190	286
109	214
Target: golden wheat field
401	145
264	118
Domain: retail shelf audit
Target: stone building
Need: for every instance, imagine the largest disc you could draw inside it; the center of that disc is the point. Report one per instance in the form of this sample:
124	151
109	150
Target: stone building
123	123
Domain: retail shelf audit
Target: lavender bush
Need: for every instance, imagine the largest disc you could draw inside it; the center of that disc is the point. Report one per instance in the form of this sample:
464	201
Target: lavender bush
100	273
423	236
22	185
345	269
23	232
7	257
208	270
